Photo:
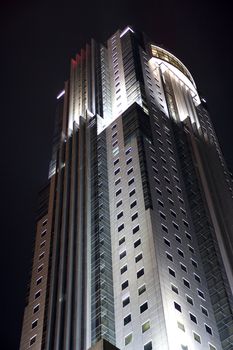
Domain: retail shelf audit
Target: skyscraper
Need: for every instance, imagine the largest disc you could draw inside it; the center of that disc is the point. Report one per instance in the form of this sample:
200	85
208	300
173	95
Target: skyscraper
134	230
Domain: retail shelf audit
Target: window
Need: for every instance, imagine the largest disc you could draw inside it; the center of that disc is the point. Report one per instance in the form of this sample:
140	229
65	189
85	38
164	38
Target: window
122	254
140	273
128	151
135	229
180	252
185	223
36	308
175	225
37	294
189	299
174	289
194	263
34	324
129	161
128	339
114	126
44	222
116	161
180	326
160	203
204	310
40	268
183	267
169	190
122	240
114	135
127	319
211	347
193	318
32	340
186	283
177	306
200	294
170	201
178	239
126	301
124	285
191	249
166	241
164	228
117	181
38	281
163	216
173	213
138	257
197	337
188	236
134	216
141	289
148	346
131	193
43	233
118	192
119	215
119	203
208	329
169	256
172	272
132	205
120	228
131	181
137	243
145	326
158	191
114	143
197	278
184	347
117	171
123	269
130	171
42	244
143	307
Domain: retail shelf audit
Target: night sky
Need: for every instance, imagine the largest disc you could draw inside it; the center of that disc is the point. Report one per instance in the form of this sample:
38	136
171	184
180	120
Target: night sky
38	39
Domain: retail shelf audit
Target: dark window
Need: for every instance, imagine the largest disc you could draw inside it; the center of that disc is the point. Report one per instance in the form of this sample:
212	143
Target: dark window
123	254
169	256
172	272
134	216
193	318
194	263
120	215
208	329
164	228
130	182
197	278
116	161
135	229
183	267
201	294
178	239
39	281
37	294
191	249
175	289
124	285
34	324
204	311
140	273
160	203
129	161
126	301
130	171
117	182
143	307
137	243
118	192
180	252
128	151
127	320
119	203
117	171
177	306
132	205
121	227
131	193
123	269
163	216
189	299
43	233
122	240
32	340
175	225
166	241
138	257
186	283
148	346
36	308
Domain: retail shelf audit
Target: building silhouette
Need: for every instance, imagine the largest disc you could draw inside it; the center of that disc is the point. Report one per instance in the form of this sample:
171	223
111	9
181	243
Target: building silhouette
134	230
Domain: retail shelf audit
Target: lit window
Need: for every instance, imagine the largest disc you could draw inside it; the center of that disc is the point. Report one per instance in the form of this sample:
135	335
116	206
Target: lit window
141	289
145	326
180	326
128	339
197	337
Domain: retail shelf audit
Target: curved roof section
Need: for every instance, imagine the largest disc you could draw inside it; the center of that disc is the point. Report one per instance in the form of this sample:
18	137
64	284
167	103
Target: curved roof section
166	56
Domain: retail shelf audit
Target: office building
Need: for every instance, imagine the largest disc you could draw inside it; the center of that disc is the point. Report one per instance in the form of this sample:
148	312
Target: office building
134	231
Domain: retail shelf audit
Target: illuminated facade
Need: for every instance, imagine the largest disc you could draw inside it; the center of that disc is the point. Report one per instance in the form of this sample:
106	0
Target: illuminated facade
134	229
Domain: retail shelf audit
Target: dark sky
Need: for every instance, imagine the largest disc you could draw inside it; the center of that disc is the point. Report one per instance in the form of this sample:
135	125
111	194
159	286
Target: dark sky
38	38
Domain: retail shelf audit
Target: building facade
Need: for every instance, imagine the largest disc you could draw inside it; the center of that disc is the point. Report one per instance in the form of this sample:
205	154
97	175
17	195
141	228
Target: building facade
134	235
